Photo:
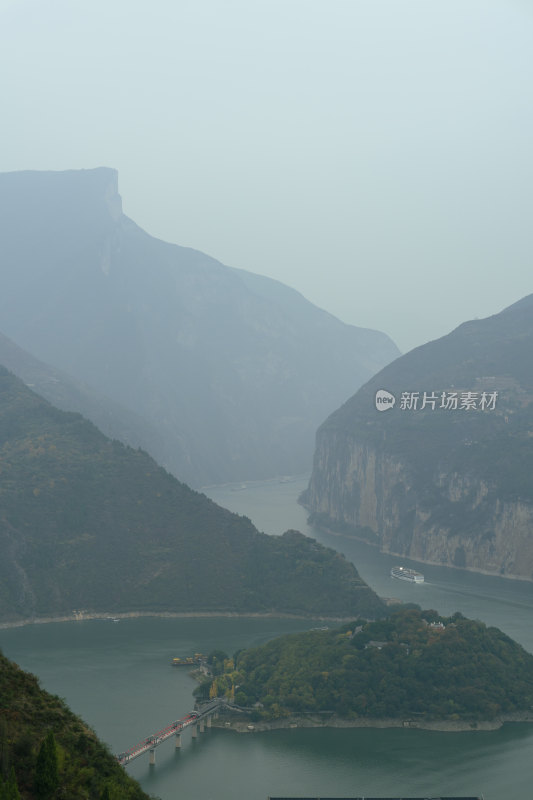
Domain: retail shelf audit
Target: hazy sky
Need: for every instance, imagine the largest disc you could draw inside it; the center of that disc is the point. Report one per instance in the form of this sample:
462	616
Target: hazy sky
377	155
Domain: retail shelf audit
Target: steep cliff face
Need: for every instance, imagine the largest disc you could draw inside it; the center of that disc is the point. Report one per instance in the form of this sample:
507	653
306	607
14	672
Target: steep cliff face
373	495
229	373
440	485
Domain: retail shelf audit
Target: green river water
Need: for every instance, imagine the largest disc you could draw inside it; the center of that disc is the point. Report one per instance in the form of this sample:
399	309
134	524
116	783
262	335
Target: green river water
118	677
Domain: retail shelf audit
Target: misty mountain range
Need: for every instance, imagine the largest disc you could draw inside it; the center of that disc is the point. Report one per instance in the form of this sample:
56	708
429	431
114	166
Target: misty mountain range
220	374
66	393
223	375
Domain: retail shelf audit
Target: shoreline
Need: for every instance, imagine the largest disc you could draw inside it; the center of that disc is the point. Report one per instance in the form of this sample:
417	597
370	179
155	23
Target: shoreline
107	616
244	724
476	570
316	721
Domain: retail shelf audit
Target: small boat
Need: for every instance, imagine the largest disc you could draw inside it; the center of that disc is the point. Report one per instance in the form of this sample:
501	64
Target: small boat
404	574
188	661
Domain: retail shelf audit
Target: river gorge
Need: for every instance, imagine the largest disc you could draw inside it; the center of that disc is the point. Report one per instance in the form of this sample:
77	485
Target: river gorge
118	677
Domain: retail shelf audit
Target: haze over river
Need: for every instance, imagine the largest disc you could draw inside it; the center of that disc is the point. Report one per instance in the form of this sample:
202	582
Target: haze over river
119	679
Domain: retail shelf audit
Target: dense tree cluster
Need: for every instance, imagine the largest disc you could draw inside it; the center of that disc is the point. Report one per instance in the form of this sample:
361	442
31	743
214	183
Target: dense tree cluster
413	664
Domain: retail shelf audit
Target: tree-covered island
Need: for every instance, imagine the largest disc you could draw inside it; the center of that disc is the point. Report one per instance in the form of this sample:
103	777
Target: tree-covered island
415	665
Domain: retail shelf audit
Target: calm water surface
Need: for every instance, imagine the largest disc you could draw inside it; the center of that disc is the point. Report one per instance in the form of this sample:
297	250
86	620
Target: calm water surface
118	677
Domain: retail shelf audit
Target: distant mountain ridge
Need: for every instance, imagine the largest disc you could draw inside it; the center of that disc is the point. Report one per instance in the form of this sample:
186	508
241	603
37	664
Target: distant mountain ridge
233	371
88	525
64	392
442	485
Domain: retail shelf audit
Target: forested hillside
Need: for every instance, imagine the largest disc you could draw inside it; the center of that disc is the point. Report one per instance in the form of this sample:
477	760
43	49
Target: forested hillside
413	664
48	752
88	524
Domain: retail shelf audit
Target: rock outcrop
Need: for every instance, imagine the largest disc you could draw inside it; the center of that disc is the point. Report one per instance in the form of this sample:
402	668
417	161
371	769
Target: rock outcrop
437	483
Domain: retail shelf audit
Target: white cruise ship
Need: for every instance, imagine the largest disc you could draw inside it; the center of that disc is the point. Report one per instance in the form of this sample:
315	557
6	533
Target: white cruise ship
404	574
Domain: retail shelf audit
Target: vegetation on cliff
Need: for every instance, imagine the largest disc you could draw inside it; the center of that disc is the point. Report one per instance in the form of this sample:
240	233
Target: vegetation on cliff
414	664
435	478
87	523
46	752
488	355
